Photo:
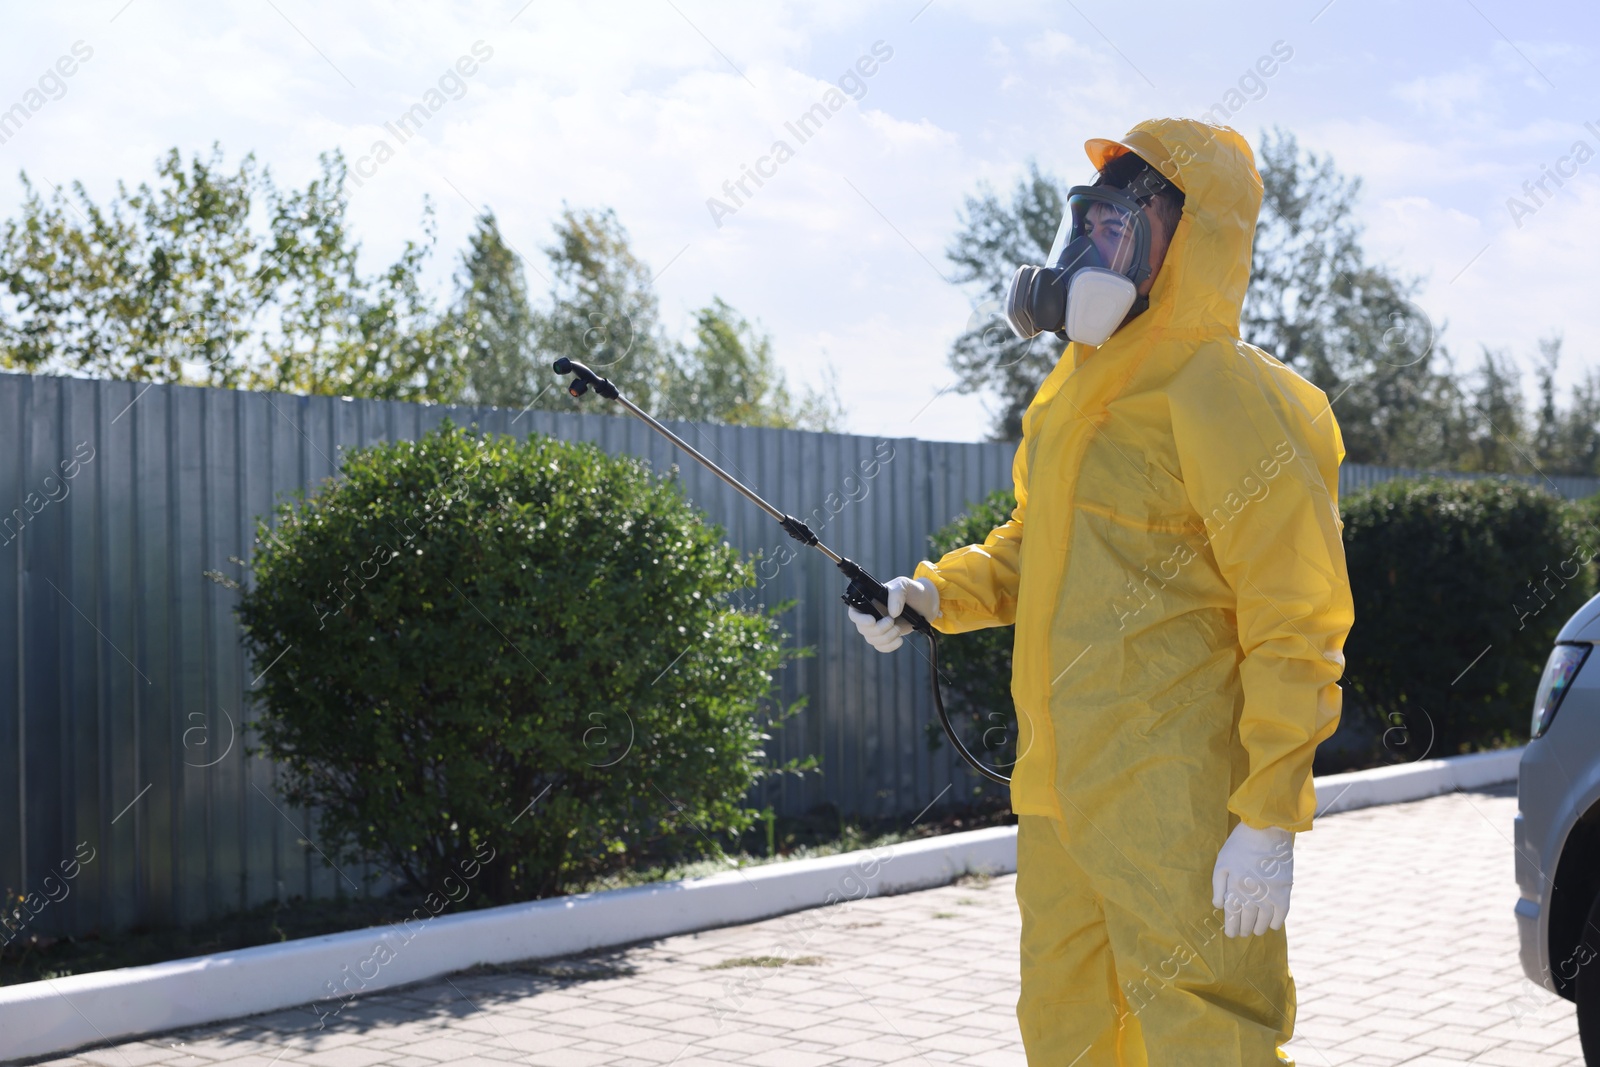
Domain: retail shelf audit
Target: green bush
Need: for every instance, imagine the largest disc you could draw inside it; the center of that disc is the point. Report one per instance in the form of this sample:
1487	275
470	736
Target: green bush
1585	530
1460	589
975	667
475	648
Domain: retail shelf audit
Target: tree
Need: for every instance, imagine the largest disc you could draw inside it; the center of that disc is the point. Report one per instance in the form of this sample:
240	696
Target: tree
604	312
337	331
1498	428
1353	329
1548	448
172	283
161	278
179	281
729	375
994	240
603	309
1580	427
503	367
1349	326
1566	440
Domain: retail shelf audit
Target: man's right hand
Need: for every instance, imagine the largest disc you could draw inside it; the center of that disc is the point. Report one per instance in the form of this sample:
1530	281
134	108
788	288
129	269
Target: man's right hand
887	633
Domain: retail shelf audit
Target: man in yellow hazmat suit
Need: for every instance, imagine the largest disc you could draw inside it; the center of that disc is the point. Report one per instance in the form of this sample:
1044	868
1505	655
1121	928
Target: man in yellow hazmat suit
1175	573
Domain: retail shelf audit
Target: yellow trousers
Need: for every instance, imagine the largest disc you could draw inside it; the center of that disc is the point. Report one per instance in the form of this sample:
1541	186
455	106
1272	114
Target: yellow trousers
1129	967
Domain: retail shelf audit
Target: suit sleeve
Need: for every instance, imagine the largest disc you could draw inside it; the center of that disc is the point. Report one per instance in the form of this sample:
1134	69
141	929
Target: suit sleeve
978	583
1260	453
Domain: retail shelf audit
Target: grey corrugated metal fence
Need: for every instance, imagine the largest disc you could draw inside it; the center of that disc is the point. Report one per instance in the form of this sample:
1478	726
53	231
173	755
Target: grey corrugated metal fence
123	686
1353	476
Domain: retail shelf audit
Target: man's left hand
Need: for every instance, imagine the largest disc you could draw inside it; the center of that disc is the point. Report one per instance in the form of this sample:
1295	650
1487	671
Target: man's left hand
1252	879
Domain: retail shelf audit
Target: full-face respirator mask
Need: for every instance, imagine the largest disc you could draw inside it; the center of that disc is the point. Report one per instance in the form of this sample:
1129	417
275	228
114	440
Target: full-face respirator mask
1100	257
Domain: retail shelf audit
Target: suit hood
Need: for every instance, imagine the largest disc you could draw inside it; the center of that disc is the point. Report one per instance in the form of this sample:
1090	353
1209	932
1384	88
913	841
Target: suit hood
1201	287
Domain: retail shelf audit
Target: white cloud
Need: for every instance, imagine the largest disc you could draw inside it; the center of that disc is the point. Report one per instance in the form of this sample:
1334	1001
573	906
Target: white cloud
1538	64
1444	97
1053	46
1530	281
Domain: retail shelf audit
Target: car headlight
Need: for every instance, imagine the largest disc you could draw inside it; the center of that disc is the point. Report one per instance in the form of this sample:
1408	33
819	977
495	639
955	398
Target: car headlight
1559	671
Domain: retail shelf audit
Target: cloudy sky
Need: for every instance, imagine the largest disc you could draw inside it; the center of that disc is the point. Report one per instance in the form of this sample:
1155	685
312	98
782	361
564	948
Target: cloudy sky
1444	109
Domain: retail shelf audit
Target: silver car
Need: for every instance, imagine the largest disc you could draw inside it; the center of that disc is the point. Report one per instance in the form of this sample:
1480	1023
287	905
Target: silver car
1558	827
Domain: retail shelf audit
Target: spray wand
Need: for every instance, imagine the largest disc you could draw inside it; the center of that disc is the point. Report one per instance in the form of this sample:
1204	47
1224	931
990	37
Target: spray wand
864	593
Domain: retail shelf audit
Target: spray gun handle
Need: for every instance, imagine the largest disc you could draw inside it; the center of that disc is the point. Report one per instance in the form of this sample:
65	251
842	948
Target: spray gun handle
867	594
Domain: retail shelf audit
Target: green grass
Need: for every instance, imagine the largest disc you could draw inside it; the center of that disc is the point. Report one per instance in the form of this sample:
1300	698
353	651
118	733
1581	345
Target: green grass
854	839
32	959
765	961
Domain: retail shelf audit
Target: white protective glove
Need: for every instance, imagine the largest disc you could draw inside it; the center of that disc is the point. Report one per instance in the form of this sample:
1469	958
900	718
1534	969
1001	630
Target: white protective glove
1252	879
887	633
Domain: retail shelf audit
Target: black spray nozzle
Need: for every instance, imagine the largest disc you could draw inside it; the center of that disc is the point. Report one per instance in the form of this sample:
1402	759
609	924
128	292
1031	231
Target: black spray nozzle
584	378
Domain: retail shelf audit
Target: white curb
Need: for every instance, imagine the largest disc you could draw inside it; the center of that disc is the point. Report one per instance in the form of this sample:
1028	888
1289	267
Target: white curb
1414	781
317	974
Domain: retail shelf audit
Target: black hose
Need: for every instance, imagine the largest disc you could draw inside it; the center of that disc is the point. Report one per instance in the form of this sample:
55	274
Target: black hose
949	728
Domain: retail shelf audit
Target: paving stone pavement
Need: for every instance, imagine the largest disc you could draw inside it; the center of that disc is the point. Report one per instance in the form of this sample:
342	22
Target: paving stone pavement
1402	943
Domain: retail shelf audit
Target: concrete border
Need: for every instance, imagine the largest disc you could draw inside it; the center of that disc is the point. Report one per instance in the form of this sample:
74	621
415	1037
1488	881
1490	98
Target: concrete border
319	974
1415	781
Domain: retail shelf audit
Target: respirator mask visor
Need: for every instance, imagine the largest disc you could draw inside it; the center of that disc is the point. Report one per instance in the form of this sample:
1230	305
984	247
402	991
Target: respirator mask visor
1100	257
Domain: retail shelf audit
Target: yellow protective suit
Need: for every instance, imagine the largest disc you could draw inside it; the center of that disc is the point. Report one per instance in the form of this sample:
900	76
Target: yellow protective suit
1181	604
